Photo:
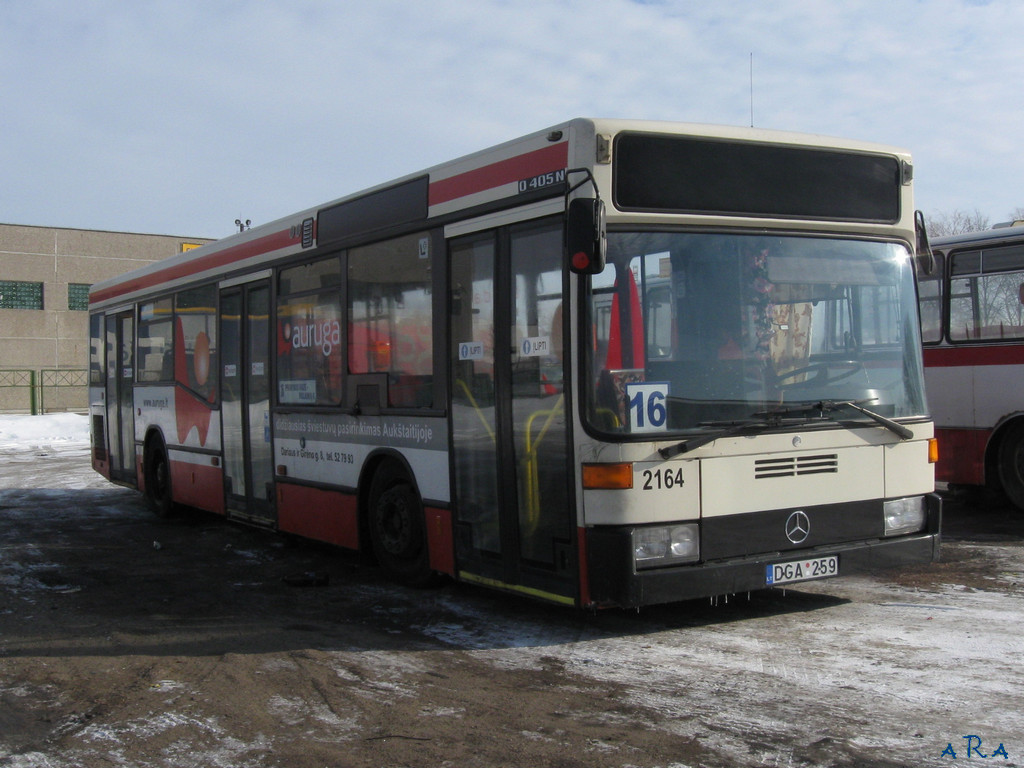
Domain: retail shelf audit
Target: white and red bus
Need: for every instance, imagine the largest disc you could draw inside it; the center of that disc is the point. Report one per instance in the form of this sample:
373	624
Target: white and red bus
972	317
612	363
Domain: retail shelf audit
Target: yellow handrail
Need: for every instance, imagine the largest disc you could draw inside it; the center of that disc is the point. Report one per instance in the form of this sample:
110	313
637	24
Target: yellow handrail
530	457
531	475
479	412
608	412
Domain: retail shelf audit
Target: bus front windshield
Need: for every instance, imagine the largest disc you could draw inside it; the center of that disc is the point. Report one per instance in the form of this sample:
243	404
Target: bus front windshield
688	331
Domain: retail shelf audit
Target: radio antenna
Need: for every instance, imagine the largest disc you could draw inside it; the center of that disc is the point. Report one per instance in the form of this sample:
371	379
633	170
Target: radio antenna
751	89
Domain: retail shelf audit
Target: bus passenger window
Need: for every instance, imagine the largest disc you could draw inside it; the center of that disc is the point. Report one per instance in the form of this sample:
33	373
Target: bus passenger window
196	340
390	316
984	294
309	334
156	351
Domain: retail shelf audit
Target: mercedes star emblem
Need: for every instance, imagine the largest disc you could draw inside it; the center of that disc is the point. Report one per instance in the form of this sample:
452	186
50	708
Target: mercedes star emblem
798	527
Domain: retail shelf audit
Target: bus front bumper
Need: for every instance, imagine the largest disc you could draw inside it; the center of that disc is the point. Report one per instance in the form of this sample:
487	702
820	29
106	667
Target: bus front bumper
615	582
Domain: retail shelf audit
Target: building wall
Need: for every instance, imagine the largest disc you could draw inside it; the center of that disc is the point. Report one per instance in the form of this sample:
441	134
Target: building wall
56	337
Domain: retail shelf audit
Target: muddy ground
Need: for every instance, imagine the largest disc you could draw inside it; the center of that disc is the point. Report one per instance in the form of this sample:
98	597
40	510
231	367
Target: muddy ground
126	640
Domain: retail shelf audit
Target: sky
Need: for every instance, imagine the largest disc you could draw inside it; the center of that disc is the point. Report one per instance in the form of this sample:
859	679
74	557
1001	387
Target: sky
179	117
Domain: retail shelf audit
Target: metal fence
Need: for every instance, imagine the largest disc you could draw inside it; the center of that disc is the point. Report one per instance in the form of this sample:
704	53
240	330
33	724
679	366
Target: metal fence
47	390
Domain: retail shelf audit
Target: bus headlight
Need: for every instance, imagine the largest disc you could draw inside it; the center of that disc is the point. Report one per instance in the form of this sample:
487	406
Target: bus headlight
904	515
666	545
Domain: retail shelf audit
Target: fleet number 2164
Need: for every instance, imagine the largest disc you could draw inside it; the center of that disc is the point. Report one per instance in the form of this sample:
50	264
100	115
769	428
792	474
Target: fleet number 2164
656	479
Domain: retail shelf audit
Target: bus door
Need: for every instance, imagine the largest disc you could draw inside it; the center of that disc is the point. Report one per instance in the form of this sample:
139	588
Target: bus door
120	395
514	516
245	400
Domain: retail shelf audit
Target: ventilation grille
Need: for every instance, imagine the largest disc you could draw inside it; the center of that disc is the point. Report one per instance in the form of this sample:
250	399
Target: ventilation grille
792	466
99	439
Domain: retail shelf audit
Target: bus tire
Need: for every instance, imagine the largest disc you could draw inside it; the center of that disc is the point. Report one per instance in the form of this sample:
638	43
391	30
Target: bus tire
397	529
1011	464
158	478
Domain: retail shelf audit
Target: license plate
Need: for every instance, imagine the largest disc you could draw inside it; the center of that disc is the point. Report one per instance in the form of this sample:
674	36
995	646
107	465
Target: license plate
802	570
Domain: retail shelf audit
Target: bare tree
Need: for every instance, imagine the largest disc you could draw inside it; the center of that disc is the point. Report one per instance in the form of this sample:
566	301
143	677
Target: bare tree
957	222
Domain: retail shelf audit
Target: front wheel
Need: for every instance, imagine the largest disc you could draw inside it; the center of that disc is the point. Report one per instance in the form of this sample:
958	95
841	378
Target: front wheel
397	529
1011	464
158	479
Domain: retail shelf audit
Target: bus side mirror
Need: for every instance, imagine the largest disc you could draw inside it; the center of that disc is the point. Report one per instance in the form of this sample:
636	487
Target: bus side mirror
585	240
925	257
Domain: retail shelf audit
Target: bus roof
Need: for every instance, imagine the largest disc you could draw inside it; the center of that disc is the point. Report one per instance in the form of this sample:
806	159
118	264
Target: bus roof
1006	232
525	169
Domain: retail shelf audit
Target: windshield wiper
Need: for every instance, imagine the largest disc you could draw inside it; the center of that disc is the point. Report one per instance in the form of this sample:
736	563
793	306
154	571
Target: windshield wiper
892	426
763	420
734	428
825	407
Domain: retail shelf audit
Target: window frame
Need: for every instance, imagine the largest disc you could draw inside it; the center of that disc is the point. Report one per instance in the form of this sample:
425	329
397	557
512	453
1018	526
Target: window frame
210	389
970	264
423	390
286	296
166	373
938	278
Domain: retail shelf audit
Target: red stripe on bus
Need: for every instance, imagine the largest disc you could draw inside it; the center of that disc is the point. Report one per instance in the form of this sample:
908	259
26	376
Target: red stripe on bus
962	455
323	515
526	166
992	354
216	260
440	539
198	485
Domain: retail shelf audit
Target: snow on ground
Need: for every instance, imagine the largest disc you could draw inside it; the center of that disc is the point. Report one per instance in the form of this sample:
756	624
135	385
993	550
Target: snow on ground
849	671
25	440
21	430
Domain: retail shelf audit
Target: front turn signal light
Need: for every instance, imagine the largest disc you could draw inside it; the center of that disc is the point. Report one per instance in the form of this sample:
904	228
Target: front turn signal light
608	476
933	451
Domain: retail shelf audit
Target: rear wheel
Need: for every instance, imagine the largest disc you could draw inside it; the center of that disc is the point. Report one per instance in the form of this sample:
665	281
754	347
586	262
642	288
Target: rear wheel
158	478
397	529
1011	464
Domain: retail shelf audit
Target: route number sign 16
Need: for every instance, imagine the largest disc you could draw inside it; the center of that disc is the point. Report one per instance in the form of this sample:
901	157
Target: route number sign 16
646	406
